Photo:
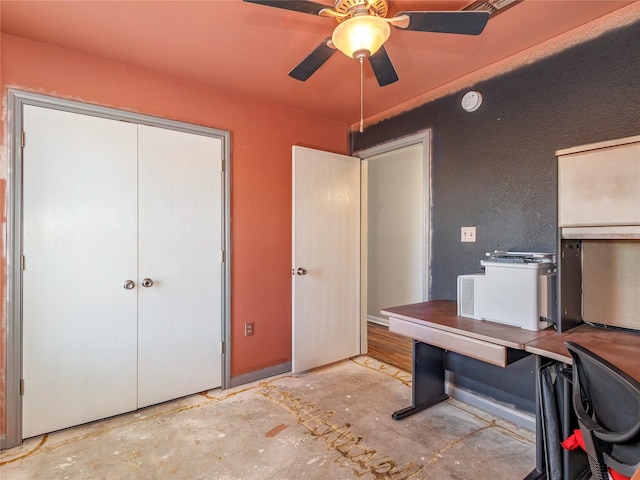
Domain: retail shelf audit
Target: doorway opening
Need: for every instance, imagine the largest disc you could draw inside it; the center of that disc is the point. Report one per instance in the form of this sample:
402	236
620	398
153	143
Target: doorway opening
396	226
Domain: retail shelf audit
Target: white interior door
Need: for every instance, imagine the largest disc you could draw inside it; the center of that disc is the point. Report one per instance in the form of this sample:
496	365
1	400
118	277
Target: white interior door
326	245
180	238
79	246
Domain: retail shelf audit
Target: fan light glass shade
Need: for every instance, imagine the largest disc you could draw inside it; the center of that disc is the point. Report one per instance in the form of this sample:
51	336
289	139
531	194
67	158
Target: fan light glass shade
361	36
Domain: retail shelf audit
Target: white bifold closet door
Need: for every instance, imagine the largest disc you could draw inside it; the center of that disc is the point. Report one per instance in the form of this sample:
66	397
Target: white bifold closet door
106	202
180	244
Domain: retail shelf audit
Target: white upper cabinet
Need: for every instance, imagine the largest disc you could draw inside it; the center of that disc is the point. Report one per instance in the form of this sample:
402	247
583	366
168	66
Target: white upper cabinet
599	186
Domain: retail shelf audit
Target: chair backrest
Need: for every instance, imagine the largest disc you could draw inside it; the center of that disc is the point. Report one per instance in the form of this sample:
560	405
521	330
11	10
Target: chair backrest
608	395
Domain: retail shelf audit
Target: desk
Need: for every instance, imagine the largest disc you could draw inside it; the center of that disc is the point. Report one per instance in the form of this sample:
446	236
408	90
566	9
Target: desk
620	348
435	327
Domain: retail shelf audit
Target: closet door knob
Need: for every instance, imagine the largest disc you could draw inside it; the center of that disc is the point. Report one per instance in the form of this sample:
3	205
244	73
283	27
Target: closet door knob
129	284
147	282
301	271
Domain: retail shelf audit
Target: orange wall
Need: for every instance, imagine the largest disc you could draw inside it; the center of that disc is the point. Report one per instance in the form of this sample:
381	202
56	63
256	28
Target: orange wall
261	139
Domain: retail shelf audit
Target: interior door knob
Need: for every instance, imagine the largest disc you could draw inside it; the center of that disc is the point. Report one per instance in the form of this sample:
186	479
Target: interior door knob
301	271
129	284
147	282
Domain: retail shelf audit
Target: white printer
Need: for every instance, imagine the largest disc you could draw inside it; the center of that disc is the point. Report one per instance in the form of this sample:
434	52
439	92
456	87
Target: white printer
517	288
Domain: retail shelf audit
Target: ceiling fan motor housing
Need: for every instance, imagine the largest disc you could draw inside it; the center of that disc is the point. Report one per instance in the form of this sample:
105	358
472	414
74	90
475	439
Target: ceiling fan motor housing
348	8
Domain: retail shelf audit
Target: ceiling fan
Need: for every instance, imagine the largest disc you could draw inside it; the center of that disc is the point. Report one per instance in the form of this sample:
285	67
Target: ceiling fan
363	28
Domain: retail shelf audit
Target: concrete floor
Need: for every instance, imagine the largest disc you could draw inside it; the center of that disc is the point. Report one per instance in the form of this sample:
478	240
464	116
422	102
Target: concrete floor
332	423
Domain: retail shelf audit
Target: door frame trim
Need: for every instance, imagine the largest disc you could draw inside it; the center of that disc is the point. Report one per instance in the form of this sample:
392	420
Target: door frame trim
422	138
17	99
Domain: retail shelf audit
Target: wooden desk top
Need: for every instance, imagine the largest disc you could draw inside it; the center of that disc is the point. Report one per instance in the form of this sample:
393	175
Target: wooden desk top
620	348
442	314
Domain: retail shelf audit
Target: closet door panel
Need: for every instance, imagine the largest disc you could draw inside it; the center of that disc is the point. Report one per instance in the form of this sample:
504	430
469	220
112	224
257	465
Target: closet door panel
79	243
180	240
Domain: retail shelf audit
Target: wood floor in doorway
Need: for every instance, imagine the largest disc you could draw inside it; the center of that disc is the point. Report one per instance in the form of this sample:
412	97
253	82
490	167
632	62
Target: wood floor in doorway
389	347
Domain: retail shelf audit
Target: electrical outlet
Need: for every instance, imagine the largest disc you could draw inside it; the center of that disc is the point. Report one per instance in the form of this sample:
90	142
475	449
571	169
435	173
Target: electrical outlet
248	329
468	234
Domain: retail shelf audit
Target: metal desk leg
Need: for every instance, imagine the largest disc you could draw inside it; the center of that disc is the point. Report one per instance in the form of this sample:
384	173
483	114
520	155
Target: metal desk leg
428	379
536	474
540	472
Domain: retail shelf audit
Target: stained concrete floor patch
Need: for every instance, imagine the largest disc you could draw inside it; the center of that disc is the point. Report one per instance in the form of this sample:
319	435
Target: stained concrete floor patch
333	423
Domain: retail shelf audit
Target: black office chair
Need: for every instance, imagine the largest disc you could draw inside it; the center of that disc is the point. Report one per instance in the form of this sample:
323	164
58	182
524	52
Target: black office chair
607	404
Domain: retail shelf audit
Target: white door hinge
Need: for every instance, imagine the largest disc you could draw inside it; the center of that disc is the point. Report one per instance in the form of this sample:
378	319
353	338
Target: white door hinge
221	256
222	352
22	386
23	140
23	263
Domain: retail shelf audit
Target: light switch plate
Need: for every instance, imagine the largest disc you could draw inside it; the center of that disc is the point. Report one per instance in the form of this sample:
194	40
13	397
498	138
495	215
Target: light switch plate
468	234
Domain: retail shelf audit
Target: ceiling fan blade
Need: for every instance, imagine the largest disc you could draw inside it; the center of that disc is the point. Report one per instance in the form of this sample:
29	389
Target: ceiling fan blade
383	68
302	6
313	62
465	22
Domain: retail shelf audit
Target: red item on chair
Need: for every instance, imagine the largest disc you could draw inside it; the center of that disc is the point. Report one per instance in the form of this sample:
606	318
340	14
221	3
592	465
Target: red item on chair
575	441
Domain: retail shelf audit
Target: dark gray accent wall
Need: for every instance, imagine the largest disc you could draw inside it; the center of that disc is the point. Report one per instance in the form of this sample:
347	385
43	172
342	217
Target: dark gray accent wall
495	168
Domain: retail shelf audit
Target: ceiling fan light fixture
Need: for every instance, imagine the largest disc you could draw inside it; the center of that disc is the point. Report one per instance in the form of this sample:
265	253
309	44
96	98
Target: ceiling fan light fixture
361	36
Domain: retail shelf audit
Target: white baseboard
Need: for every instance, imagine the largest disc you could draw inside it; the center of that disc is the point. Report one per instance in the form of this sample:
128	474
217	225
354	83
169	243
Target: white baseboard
378	320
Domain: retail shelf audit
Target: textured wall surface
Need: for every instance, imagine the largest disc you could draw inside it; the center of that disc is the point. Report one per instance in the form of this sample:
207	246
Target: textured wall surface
261	136
496	168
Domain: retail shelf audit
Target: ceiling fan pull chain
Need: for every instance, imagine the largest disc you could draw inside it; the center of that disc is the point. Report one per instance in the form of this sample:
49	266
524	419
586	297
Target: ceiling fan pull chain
361	94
